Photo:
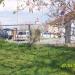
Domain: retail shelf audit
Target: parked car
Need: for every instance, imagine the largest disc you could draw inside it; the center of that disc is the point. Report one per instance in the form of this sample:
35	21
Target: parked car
9	32
3	34
45	35
22	36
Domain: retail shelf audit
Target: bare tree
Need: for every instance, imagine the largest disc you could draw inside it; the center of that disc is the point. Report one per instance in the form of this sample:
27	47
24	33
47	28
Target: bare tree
58	8
35	35
1	1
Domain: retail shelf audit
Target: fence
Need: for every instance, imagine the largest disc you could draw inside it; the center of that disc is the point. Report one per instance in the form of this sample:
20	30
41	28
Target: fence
22	33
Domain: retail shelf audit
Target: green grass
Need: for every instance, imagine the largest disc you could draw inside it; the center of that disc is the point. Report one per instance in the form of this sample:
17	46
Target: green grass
35	60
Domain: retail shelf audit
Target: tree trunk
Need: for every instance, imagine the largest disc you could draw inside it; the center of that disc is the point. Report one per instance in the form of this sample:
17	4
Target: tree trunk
29	27
68	33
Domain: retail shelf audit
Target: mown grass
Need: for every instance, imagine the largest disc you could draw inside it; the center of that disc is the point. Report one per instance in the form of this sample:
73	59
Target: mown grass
35	60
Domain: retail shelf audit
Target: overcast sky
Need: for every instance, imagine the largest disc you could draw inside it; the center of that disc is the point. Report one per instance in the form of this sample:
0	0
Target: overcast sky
7	16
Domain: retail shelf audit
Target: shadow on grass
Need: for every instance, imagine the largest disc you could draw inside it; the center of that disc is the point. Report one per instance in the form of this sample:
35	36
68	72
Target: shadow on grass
54	63
51	57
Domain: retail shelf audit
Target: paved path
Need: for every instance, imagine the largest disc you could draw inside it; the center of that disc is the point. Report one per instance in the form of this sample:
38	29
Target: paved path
46	41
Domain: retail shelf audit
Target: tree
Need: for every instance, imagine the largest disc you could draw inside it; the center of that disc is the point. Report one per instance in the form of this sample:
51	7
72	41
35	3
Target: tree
1	26
1	1
57	8
35	35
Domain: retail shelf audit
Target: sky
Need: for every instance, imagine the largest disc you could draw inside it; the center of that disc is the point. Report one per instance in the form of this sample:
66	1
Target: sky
7	16
24	16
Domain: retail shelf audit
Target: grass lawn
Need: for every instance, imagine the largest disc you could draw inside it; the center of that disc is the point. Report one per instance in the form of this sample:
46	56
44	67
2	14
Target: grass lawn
36	60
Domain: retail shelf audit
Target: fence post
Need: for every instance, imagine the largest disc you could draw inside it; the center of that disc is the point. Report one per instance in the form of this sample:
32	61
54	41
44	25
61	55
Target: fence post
68	33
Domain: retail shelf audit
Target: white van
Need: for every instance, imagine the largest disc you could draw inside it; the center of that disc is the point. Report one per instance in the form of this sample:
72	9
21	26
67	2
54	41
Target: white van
23	36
